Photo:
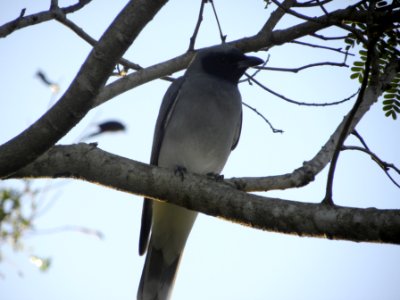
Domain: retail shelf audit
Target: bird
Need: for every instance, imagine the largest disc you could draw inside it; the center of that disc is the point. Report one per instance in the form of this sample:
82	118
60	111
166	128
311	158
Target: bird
198	125
106	126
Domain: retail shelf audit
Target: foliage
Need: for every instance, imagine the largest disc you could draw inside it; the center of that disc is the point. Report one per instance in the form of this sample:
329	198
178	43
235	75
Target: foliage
17	213
13	222
387	41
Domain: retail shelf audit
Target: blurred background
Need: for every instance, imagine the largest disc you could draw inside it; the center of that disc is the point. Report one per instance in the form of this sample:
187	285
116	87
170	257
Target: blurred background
89	234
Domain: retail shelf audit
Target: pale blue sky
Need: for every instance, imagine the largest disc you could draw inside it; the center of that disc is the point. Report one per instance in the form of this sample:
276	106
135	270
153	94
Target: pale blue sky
222	260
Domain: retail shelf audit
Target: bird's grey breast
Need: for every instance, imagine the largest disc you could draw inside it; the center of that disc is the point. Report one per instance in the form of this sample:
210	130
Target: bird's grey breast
199	131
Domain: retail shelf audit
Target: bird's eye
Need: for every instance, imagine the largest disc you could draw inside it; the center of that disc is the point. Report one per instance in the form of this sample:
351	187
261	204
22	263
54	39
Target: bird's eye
223	59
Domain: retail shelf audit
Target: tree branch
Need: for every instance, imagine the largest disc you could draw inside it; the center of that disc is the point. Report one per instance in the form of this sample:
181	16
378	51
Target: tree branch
299	102
37	18
62	18
79	97
382	164
200	193
370	62
306	173
298	69
339	50
266	38
197	27
274	130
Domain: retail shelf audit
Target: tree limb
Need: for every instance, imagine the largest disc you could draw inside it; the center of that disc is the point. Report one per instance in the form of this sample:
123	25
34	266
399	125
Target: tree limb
200	193
298	69
25	21
300	102
306	173
265	38
372	66
382	164
79	97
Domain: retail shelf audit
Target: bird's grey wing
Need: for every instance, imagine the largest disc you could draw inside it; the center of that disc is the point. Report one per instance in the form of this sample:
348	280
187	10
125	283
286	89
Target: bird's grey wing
167	106
238	130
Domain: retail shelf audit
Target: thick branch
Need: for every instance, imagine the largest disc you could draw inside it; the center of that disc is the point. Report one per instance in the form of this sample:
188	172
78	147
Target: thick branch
37	18
79	97
205	195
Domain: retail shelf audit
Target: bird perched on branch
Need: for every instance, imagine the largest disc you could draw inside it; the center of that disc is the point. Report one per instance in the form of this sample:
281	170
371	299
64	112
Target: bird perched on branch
198	125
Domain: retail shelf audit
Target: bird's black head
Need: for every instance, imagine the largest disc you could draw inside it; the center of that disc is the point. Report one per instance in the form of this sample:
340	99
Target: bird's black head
226	62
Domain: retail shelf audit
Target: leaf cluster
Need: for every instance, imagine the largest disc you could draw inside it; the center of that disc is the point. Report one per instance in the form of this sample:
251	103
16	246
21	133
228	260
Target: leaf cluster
387	43
13	222
391	102
16	220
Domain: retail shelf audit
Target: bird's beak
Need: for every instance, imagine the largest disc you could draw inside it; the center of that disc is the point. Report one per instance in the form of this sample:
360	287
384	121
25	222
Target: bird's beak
249	61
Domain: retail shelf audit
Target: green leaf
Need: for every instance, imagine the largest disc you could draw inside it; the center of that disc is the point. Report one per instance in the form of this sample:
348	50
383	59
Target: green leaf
363	53
354	75
389	96
359	63
357	69
391	113
362	26
349	41
388	102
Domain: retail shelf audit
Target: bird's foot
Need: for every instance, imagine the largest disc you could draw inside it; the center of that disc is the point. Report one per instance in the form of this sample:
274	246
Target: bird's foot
180	171
215	176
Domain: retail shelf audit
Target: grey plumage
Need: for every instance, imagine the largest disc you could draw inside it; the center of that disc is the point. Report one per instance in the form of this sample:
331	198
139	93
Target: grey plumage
198	126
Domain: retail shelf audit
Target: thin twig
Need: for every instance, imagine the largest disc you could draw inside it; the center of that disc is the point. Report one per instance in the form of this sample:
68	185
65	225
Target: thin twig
360	138
321	5
295	70
328	38
196	29
93	232
274	130
24	21
329	185
222	36
298	102
356	32
295	13
312	3
382	164
322	47
53	4
61	17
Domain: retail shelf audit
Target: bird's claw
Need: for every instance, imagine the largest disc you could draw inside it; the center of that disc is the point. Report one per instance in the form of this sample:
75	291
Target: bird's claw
180	171
215	176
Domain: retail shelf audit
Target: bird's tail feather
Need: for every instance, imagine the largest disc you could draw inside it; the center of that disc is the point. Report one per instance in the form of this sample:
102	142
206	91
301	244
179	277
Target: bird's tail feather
158	276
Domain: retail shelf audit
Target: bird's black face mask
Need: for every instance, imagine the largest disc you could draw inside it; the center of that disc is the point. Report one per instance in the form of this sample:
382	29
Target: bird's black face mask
229	65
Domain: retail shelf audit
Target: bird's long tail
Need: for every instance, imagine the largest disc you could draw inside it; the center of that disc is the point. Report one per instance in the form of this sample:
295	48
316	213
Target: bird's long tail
158	276
170	229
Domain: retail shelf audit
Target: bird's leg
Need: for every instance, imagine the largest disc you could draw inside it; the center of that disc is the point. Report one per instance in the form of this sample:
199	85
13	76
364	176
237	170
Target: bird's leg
180	171
215	176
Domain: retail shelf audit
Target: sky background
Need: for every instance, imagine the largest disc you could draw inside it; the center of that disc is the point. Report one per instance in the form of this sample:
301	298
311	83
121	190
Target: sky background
222	260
